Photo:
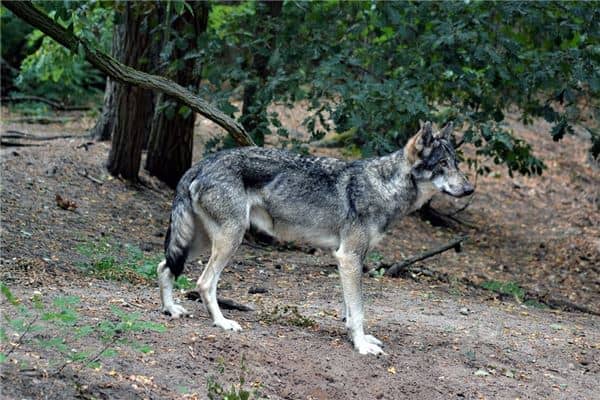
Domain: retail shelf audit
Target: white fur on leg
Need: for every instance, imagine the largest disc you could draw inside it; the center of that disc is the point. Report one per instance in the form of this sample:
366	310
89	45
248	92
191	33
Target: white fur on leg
207	286
165	282
373	340
350	274
228	325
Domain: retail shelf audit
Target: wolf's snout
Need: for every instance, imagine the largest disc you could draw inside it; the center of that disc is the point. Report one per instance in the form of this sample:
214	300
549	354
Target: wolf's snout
468	189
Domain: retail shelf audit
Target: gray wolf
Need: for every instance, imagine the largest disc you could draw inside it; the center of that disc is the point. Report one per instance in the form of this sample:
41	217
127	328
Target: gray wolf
343	206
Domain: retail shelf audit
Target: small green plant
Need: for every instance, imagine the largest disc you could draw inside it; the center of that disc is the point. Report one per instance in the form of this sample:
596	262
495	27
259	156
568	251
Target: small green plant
58	328
287	315
237	391
127	262
506	288
375	257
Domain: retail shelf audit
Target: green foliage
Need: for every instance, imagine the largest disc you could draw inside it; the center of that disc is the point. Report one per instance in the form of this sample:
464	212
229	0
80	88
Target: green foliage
506	288
369	71
375	69
61	330
127	262
50	70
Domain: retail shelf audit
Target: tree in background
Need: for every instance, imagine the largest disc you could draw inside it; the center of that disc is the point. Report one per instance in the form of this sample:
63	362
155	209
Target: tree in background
255	101
371	70
171	135
133	106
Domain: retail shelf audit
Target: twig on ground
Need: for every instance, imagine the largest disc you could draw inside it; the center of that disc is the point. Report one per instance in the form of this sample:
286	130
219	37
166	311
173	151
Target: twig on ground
396	268
225	303
85	174
25	332
93	359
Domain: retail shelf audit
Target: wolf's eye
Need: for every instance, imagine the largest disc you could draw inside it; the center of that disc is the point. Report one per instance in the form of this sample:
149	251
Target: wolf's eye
444	163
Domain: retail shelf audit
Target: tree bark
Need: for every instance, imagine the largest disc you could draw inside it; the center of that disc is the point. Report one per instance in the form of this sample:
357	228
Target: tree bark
122	73
102	131
133	105
171	136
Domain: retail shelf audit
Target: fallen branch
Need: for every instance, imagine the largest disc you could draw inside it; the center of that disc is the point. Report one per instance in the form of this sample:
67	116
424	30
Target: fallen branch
551	302
125	74
16	144
11	134
85	174
396	268
437	218
54	104
561	304
41	120
224	303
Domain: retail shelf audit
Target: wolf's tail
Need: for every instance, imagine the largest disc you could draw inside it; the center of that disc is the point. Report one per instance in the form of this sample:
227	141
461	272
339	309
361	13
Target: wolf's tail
180	234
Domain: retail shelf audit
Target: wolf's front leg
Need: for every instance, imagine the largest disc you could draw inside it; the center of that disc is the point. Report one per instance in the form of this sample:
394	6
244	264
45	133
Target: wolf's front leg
350	267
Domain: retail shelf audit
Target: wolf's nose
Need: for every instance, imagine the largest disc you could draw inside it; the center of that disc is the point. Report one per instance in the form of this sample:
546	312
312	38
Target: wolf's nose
468	189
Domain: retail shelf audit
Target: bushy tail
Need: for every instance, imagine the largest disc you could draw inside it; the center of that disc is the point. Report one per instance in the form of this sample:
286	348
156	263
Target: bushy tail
180	233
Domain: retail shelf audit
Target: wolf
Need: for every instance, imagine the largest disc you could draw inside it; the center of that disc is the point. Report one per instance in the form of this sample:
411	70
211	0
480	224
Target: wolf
342	206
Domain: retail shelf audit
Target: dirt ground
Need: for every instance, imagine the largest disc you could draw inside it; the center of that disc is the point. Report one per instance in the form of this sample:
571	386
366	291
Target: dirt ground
444	338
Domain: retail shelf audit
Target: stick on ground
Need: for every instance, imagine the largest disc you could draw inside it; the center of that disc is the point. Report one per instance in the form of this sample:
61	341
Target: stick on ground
396	268
224	303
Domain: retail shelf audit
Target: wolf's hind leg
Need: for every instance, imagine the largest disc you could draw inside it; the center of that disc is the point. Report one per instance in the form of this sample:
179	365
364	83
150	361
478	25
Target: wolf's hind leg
165	282
224	246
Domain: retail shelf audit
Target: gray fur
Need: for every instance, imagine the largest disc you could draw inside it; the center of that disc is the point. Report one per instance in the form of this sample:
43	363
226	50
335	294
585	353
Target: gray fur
344	206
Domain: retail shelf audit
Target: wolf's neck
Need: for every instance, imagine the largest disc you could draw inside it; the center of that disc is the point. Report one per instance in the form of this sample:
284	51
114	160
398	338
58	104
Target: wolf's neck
393	167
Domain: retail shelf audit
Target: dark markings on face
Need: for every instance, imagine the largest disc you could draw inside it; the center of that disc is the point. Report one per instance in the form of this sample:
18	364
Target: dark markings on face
441	158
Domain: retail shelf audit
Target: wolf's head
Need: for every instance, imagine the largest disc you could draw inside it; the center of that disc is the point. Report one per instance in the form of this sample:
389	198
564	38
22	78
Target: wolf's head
433	161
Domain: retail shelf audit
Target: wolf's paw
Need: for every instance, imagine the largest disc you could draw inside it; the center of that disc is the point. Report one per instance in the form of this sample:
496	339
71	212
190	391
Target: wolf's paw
175	311
365	347
228	325
373	340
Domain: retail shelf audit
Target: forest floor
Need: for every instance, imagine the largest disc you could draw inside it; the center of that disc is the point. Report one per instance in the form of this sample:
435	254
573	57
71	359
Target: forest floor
498	320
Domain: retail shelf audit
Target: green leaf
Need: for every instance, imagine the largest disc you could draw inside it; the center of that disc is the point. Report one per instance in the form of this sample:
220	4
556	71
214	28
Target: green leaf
8	294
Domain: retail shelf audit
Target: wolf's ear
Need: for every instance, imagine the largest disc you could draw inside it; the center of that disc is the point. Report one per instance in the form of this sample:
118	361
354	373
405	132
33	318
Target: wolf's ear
446	131
417	143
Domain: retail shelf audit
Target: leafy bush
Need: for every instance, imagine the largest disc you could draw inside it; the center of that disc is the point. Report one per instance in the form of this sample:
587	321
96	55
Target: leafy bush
373	70
52	71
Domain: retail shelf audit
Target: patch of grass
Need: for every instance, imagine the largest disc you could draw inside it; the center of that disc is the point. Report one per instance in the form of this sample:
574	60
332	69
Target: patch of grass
506	288
535	304
127	262
58	327
287	315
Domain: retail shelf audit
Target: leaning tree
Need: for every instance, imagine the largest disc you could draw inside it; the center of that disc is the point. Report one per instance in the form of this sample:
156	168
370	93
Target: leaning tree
128	75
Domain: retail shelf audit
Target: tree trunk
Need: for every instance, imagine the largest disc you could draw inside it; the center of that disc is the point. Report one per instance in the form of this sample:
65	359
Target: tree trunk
133	104
254	110
122	73
105	124
102	131
171	136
